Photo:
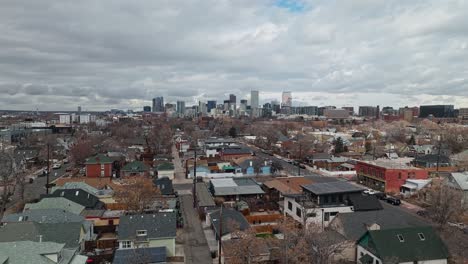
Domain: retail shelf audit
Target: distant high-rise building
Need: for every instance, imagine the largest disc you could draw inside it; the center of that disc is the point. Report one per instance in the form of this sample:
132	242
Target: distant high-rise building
463	113
242	107
180	107
79	109
146	108
349	108
232	99
276	106
227	105
202	109
210	105
439	111
158	104
254	102
368	111
286	99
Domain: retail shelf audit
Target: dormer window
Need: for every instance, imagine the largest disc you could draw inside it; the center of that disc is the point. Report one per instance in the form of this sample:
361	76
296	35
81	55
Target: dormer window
421	236
141	233
400	237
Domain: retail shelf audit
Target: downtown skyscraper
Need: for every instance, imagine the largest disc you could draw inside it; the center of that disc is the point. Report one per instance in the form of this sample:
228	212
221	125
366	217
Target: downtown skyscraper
158	104
254	99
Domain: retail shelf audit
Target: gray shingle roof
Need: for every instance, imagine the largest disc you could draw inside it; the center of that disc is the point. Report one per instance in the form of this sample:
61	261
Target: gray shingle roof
232	221
56	203
151	255
21	252
48	216
66	233
79	196
230	186
332	187
157	225
204	196
461	178
354	224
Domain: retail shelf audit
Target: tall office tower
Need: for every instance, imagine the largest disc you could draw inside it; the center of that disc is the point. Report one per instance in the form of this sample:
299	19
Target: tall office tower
227	105
276	106
158	104
232	100
368	111
286	99
253	99
202	109
436	111
180	107
210	105
79	109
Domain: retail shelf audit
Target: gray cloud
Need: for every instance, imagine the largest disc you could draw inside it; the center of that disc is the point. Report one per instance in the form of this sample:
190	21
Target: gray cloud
118	53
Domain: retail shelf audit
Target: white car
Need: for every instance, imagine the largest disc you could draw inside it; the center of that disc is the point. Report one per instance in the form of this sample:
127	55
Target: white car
369	192
56	166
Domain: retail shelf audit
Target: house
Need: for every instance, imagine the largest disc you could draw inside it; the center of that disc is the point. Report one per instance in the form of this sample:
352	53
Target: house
79	196
232	153
56	203
421	149
319	203
459	181
21	252
46	216
387	175
165	169
72	234
412	186
353	226
135	168
150	255
148	230
401	245
234	189
27	154
252	167
232	221
276	189
434	163
99	166
164	185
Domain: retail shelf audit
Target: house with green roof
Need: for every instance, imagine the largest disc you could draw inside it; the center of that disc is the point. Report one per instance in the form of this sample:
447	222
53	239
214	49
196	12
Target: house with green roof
135	168
99	166
412	245
56	203
165	169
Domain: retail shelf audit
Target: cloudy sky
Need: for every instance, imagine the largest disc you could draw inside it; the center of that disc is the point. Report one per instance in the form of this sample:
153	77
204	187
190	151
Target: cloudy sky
58	54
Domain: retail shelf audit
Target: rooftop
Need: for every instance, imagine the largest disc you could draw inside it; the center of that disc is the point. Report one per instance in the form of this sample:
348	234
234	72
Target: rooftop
157	225
56	203
238	186
20	252
50	216
391	164
332	187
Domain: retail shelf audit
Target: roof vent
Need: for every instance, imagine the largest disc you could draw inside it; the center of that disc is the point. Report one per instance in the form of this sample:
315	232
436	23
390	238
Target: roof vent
421	236
400	237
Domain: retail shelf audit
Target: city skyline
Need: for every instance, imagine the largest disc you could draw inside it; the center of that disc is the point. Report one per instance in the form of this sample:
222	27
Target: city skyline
123	58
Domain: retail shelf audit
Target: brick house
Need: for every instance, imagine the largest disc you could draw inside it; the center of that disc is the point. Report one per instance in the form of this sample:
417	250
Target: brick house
99	166
387	175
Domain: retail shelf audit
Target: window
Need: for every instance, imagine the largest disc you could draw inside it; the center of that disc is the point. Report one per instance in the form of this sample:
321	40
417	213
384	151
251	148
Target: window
311	215
377	262
421	236
400	237
333	199
102	166
126	244
399	175
289	205
298	212
76	193
141	233
326	217
325	199
333	213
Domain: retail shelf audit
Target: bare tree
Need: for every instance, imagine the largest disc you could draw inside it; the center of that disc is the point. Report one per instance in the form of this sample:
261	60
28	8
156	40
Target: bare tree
445	204
81	150
137	193
7	180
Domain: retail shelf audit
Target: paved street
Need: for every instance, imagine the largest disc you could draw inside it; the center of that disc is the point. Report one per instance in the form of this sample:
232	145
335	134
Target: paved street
179	170
195	245
35	189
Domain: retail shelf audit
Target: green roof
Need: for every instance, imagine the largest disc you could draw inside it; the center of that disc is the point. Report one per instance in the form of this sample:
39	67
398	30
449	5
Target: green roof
135	166
404	244
165	166
228	167
56	203
20	252
98	159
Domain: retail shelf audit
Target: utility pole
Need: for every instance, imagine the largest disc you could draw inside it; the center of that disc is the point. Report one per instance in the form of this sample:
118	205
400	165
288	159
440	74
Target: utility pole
48	168
195	179
220	234
438	154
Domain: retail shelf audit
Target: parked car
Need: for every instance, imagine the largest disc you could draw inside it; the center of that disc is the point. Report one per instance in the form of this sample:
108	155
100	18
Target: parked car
380	195
56	166
369	192
65	161
43	173
393	200
457	225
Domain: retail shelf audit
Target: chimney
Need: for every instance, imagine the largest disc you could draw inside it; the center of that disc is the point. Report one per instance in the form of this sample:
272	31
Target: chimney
40	238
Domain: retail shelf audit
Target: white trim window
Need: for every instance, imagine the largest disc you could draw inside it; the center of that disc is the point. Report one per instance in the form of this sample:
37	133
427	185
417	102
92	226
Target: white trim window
141	232
125	244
